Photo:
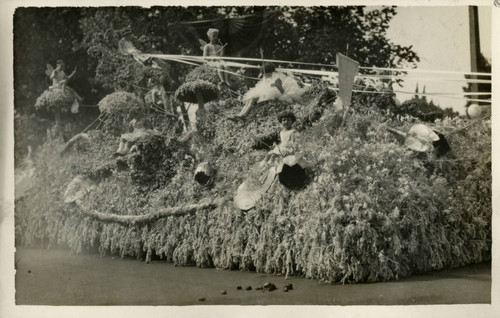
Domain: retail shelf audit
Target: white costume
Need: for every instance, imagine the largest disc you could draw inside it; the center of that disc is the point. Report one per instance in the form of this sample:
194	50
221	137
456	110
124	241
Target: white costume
266	89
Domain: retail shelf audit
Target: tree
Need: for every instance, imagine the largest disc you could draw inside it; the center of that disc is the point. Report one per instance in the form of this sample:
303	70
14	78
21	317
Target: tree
41	36
88	38
316	34
152	33
421	108
312	34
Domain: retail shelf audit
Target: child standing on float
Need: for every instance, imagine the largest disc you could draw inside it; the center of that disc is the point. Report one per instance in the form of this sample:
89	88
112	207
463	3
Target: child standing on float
59	81
215	49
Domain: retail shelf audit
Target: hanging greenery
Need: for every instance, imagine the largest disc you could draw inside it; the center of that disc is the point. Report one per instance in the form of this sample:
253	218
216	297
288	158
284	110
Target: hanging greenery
374	210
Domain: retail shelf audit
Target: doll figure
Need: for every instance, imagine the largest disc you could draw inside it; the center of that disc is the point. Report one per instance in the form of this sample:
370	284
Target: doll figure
214	48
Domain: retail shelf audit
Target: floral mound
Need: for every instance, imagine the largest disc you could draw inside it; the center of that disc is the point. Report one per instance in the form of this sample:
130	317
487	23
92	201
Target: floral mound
119	108
204	73
52	99
373	211
187	91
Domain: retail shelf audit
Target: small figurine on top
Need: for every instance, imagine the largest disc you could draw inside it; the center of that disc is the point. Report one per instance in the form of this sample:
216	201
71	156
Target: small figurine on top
214	48
273	85
59	77
288	139
60	80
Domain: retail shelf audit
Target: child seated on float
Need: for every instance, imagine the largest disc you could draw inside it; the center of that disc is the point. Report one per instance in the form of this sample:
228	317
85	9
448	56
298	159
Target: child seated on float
59	81
288	139
59	77
156	91
141	130
215	49
273	85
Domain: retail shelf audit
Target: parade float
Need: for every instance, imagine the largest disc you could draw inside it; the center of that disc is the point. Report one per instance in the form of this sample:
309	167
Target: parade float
380	197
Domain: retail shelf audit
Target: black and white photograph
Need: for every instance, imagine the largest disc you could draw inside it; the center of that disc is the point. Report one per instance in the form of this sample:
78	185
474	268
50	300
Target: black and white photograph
273	159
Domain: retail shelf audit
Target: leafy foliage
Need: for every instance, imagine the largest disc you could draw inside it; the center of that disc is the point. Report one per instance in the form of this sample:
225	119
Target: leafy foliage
426	111
31	132
88	38
318	33
56	33
55	99
373	211
120	108
204	73
187	91
156	161
93	158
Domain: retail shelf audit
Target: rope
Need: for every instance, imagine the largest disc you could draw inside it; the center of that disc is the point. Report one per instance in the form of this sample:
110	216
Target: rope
422	71
170	56
335	75
98	118
198	58
411	93
445	95
85	129
101	120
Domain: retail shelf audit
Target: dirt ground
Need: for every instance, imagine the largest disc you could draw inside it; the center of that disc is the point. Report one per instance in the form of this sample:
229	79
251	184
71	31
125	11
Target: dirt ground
56	277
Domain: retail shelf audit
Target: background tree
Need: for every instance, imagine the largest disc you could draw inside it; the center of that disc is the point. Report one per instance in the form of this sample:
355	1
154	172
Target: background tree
88	38
316	34
312	34
421	108
152	33
41	36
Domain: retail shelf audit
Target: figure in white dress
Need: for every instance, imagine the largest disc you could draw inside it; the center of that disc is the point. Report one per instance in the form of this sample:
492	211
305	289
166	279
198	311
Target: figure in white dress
288	139
273	85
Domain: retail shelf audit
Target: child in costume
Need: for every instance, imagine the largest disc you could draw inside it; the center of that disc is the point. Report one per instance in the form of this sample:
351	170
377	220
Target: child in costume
215	49
59	77
142	130
288	139
59	81
274	85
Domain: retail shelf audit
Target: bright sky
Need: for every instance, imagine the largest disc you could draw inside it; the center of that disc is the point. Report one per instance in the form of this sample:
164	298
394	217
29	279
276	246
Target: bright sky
440	37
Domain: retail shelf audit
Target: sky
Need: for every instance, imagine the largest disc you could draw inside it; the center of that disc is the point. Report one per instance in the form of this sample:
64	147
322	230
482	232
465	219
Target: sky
440	37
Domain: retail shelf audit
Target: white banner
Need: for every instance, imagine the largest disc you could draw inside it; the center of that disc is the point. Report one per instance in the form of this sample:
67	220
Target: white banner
348	68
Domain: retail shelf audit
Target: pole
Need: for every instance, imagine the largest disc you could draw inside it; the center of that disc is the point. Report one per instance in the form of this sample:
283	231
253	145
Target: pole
474	46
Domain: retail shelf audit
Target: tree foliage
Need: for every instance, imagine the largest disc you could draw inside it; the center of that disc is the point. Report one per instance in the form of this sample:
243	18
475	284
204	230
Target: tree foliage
421	108
316	34
41	36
